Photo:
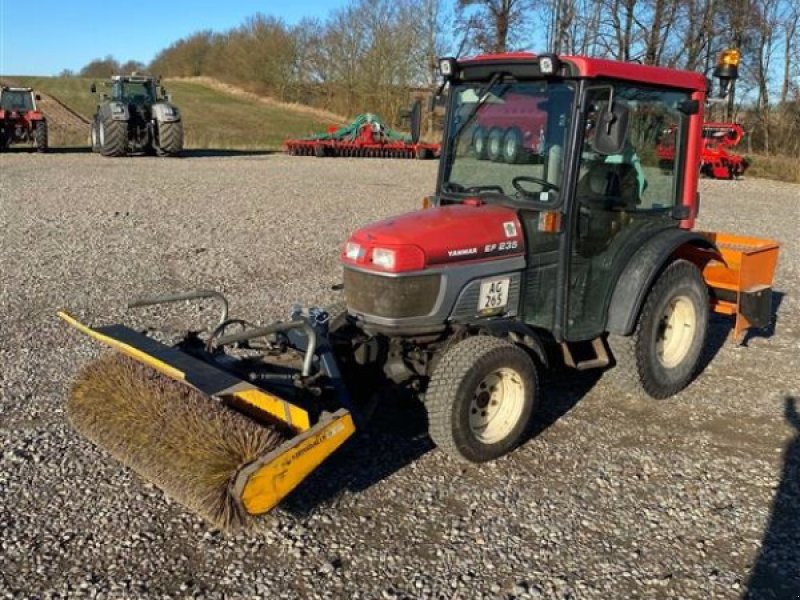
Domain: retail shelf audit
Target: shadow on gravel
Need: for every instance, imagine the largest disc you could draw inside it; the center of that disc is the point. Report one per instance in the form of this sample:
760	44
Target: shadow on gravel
51	150
719	328
562	389
212	152
396	437
776	573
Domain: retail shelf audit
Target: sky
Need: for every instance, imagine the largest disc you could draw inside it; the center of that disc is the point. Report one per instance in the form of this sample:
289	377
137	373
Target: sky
44	37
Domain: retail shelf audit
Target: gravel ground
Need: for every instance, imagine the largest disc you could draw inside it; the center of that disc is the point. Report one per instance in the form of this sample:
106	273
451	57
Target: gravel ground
615	497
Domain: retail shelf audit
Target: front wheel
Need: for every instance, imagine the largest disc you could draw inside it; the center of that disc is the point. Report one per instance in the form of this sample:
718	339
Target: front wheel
662	355
481	398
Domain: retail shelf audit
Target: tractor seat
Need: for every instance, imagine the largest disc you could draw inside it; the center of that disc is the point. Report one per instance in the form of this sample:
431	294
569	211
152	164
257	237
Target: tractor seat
609	186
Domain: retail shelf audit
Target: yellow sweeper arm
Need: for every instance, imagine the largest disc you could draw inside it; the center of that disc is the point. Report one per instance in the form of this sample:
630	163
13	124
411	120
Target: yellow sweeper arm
260	484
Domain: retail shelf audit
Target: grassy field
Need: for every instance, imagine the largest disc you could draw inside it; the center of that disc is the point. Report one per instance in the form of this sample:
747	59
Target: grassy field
780	168
213	118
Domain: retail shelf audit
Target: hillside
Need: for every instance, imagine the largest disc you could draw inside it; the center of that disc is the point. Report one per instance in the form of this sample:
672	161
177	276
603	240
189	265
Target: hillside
215	115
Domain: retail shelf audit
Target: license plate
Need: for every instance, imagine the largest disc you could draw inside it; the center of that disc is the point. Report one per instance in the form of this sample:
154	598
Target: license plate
494	294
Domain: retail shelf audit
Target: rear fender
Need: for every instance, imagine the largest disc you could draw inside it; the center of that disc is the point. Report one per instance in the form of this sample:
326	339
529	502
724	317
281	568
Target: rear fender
164	112
641	272
117	111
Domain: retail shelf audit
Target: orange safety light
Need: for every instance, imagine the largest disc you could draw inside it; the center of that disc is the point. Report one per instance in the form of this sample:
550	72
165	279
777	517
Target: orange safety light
730	57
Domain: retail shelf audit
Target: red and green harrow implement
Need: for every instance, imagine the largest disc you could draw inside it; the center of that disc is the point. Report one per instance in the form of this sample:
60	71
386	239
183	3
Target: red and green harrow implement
367	137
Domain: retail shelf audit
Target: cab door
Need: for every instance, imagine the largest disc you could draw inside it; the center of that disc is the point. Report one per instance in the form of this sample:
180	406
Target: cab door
621	200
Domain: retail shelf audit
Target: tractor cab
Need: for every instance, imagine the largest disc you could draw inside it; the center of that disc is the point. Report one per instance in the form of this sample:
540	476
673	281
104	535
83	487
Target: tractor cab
20	118
134	90
576	158
19	100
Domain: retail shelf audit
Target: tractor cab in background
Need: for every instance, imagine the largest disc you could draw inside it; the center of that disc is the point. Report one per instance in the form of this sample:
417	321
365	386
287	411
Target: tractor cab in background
20	118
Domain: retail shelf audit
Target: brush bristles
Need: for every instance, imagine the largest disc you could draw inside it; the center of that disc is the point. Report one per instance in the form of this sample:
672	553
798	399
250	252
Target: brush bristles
185	442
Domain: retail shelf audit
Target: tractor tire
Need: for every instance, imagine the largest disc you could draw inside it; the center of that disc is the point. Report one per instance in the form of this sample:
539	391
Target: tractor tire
494	144
480	399
112	137
40	136
170	138
513	151
662	355
479	143
94	138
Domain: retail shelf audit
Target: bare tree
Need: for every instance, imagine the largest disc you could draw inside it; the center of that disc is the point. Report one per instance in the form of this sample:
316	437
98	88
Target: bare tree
495	25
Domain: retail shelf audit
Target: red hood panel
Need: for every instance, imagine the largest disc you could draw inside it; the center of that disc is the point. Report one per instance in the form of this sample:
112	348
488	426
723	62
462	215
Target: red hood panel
448	234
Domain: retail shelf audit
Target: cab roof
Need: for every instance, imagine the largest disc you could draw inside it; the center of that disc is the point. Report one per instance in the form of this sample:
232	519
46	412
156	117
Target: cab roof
600	68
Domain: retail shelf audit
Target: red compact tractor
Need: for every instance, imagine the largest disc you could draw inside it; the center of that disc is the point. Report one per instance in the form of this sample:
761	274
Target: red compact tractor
20	121
716	160
584	255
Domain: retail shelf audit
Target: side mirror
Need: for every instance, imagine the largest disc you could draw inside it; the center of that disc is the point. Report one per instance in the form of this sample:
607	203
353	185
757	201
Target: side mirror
163	91
611	130
169	98
93	89
38	97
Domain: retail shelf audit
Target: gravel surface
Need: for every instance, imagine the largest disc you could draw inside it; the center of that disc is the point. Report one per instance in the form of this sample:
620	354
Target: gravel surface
615	497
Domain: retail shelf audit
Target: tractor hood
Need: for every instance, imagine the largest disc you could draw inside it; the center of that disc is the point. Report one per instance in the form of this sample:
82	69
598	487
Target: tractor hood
437	236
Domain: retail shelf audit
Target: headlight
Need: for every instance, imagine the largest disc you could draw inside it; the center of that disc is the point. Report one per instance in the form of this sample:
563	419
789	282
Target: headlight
353	251
381	257
117	108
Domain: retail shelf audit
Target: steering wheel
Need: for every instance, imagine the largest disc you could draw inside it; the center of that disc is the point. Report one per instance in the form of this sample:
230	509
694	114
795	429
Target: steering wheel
546	185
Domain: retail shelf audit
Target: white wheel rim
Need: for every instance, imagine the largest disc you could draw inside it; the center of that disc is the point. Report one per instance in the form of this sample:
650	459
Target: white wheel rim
676	330
511	146
494	145
496	405
478	144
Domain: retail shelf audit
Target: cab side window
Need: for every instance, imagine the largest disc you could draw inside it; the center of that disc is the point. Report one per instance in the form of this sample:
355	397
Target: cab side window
644	175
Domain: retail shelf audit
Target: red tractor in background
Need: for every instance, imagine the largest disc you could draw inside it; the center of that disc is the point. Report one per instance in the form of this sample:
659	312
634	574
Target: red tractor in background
510	130
715	159
20	120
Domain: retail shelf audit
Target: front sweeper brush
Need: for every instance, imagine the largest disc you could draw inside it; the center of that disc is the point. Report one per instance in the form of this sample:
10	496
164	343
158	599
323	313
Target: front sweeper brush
189	419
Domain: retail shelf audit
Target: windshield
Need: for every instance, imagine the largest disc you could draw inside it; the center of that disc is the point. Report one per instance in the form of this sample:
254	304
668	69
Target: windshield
16	100
508	138
134	92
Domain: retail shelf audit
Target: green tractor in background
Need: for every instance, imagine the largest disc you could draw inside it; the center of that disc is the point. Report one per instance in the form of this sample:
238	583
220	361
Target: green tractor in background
136	117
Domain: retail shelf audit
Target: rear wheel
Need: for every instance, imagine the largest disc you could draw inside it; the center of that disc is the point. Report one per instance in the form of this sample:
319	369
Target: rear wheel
662	354
112	137
481	398
40	136
494	144
170	138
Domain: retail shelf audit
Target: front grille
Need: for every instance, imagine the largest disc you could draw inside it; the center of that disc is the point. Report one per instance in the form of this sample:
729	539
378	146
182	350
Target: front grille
391	297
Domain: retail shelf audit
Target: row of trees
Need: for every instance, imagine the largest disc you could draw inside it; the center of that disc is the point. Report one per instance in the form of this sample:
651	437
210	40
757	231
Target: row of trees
366	55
